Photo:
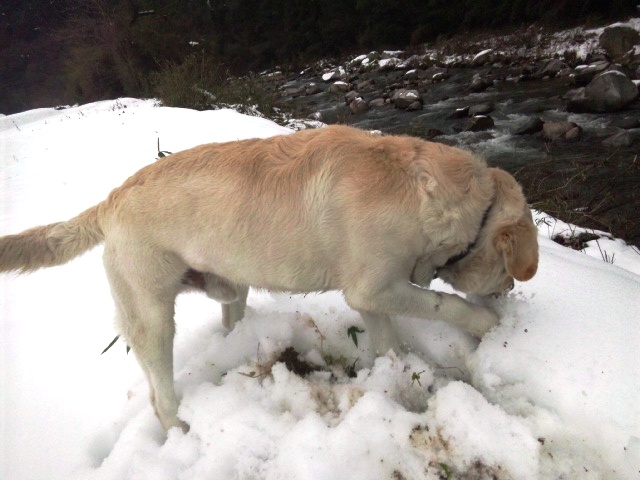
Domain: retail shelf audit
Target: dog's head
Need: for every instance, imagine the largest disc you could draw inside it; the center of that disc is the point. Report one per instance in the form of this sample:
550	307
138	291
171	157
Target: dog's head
507	246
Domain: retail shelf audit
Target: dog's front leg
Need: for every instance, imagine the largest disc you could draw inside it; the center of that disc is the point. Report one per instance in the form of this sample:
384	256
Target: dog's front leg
403	298
383	337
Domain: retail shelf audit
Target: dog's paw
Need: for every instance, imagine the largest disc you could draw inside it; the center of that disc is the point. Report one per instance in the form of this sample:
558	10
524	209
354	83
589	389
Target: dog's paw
482	321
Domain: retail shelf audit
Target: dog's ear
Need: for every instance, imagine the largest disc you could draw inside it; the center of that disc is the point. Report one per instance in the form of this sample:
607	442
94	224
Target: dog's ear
518	245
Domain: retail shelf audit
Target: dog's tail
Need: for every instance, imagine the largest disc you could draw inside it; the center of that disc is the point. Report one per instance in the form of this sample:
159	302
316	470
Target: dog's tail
51	245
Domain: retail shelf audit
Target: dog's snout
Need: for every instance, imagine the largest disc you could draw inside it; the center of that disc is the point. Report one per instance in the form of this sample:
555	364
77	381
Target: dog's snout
507	287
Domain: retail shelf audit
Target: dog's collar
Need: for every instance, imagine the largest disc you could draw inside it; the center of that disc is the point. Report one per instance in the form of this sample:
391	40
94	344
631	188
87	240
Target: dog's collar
471	246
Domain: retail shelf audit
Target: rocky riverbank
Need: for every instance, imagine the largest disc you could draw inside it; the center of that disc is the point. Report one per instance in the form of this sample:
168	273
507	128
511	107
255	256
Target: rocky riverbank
559	110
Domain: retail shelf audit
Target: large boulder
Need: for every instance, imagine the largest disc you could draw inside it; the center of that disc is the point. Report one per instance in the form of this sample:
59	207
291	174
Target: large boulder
608	92
618	40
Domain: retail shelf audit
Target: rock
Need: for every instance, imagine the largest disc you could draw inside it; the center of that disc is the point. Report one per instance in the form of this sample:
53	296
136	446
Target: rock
480	109
460	112
413	75
339	87
350	97
482	58
331	76
365	85
554	131
374	56
550	69
387	54
414	61
433	133
312	89
358	105
608	92
479	84
585	73
403	98
620	139
440	77
618	40
377	103
627	123
479	123
436	73
531	126
573	135
417	105
294	92
387	64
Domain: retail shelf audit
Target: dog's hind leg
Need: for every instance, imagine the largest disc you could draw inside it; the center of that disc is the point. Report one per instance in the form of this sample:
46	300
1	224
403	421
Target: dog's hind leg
234	311
144	284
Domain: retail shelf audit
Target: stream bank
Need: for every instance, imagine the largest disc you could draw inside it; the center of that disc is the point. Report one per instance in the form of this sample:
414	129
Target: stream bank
512	106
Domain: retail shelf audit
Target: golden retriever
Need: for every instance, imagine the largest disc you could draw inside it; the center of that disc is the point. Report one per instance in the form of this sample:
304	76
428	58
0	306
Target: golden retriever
329	209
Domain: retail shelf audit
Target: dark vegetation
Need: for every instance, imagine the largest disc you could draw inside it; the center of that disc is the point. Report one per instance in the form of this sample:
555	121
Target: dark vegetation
67	51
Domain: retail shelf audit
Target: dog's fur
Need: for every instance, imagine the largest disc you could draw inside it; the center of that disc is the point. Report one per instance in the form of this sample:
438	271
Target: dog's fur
327	209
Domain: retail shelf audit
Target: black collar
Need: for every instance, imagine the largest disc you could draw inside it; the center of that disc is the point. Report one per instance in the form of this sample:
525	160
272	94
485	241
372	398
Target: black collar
467	251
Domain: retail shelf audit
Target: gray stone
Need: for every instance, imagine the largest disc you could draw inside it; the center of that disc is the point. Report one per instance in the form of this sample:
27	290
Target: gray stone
585	73
479	123
482	58
479	84
480	109
350	97
620	139
339	87
436	73
358	105
433	133
618	40
627	123
312	89
551	68
377	103
365	85
531	126
294	92
608	92
460	112
403	98
440	77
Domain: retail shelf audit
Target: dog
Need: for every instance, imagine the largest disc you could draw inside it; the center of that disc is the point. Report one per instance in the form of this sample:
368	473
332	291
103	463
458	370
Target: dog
377	217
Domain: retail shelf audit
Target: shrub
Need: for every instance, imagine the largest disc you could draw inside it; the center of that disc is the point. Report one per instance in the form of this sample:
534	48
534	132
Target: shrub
202	83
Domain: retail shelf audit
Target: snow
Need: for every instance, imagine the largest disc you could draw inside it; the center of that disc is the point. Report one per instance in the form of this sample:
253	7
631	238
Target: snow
550	393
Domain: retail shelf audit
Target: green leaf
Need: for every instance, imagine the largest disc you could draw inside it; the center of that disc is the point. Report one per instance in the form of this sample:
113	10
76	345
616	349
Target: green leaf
446	469
353	333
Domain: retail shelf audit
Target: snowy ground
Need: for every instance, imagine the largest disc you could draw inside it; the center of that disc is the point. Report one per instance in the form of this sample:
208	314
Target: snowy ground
550	393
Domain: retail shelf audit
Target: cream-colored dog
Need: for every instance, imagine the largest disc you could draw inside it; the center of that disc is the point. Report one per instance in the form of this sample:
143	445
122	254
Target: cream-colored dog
376	217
